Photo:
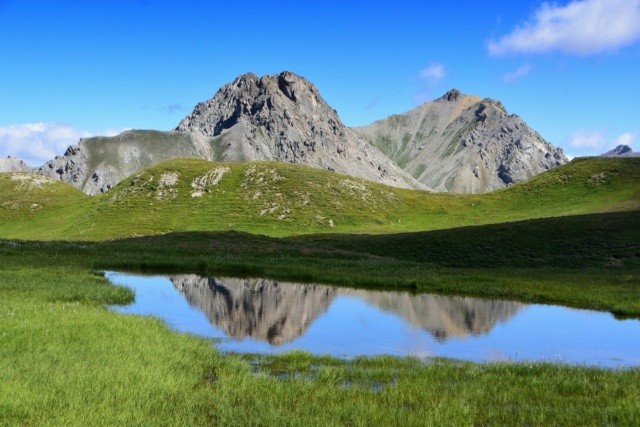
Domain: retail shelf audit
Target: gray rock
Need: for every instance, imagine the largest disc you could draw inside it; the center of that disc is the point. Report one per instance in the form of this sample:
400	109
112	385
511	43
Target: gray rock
97	164
463	144
457	143
11	164
621	151
284	118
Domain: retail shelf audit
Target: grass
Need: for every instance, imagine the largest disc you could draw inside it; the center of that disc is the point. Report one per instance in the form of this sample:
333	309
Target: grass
588	261
282	200
67	360
568	236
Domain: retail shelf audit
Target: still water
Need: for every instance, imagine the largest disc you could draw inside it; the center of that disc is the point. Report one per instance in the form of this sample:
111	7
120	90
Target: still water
267	316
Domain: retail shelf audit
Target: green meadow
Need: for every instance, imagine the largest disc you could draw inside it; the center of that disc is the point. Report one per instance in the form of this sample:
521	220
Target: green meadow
569	236
278	199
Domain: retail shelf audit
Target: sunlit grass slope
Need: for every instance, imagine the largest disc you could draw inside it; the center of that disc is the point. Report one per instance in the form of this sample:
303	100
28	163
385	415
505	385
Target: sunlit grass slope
34	206
281	199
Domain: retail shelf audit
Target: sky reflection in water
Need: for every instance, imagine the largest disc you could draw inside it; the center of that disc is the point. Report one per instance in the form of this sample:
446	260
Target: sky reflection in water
266	316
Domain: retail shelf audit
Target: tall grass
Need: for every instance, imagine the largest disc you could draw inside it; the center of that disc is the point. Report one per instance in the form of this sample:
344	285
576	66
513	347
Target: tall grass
67	360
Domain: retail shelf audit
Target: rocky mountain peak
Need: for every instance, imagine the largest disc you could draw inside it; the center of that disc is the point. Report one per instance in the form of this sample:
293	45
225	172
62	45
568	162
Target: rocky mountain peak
260	101
283	117
621	150
479	147
453	95
489	107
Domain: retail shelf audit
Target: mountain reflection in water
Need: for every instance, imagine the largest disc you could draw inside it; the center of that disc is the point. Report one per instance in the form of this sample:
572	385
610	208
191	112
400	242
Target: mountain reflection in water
280	312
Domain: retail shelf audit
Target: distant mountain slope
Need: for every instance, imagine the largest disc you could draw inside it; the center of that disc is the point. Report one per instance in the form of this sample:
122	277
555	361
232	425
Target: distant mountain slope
463	144
621	151
281	199
99	163
284	118
11	164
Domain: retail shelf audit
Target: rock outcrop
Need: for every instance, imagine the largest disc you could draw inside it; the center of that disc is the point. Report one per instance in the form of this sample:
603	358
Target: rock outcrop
621	151
97	164
284	118
11	164
463	144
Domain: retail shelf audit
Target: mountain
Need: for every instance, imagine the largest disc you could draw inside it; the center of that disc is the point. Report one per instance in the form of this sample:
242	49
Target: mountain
280	117
284	118
621	151
96	164
463	144
11	164
458	143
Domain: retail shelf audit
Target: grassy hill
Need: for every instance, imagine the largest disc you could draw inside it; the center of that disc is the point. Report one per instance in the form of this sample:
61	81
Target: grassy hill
33	206
280	199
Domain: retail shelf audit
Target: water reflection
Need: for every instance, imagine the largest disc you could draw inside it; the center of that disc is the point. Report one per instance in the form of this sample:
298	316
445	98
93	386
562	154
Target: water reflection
280	312
266	316
257	308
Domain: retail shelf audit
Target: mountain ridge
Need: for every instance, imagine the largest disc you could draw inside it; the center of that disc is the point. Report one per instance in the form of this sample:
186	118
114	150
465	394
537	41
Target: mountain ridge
477	146
456	143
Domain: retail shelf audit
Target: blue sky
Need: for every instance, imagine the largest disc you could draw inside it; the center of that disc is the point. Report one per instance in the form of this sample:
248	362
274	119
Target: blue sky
72	69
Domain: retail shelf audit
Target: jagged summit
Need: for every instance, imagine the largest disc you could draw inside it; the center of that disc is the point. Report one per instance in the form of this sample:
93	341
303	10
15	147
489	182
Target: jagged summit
452	96
283	117
464	144
259	101
621	150
458	143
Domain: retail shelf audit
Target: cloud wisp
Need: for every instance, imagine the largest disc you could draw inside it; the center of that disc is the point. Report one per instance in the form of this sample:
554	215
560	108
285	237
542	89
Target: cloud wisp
595	142
171	108
432	75
582	27
627	138
36	143
516	75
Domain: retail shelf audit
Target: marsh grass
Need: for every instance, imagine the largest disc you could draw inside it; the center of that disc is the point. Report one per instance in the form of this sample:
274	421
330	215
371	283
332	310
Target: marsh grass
67	360
566	260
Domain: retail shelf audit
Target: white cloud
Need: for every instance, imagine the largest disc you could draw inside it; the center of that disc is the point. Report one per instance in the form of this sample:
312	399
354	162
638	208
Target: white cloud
588	139
596	142
517	74
627	138
434	73
581	27
36	143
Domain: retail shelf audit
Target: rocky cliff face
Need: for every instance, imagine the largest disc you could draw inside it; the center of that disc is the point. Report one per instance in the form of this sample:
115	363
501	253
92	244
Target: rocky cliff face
457	143
97	164
284	118
463	144
621	151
